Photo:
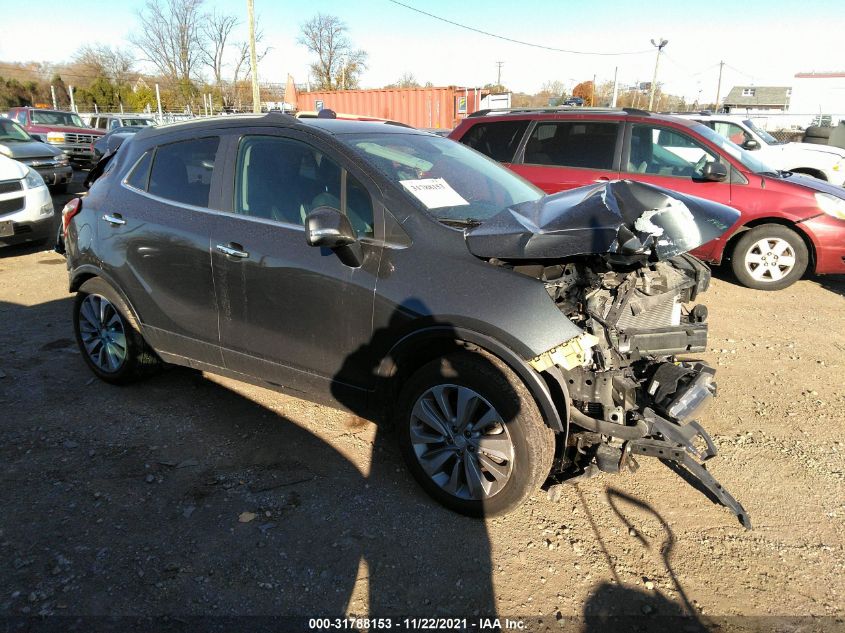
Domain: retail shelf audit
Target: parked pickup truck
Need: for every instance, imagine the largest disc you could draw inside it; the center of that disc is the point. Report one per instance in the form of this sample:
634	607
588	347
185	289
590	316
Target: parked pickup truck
825	162
50	162
63	130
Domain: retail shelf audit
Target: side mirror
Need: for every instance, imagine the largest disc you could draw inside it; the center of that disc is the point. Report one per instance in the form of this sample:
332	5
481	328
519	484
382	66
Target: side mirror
714	172
327	227
38	137
751	144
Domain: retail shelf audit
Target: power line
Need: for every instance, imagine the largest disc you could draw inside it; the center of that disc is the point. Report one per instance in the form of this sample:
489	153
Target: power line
510	39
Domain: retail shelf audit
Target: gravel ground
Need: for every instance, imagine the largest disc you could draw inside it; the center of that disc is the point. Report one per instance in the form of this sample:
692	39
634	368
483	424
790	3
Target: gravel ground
190	494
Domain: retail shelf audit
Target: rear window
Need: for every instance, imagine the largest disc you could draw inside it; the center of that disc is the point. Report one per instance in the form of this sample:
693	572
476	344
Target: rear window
586	144
182	171
498	140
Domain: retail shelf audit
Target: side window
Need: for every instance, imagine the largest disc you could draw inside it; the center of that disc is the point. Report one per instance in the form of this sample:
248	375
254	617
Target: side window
666	152
114	124
498	140
21	117
140	174
587	144
284	179
731	131
181	171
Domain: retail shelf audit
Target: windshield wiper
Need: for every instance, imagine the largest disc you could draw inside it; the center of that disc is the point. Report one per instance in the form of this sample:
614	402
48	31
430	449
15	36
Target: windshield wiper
459	223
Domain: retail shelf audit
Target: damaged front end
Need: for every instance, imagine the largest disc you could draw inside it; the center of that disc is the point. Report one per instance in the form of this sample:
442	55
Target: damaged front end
613	258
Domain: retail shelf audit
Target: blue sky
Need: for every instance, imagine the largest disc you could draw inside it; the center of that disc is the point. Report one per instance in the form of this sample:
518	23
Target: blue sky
763	43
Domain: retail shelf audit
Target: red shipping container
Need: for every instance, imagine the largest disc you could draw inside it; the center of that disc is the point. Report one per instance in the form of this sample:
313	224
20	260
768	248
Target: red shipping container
440	108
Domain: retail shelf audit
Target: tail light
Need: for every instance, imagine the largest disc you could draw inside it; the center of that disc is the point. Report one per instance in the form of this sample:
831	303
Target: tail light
70	209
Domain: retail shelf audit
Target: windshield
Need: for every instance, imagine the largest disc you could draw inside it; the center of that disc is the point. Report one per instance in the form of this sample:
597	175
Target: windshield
49	117
748	160
449	180
136	122
11	131
763	134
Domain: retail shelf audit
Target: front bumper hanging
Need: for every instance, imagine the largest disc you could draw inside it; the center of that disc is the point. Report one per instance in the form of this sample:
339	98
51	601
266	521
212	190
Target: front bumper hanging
675	446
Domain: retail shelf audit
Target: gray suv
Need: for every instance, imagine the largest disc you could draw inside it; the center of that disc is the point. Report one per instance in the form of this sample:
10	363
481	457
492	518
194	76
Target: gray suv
515	340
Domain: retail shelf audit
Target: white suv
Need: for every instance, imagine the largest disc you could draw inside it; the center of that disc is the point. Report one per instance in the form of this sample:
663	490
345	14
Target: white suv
822	161
26	209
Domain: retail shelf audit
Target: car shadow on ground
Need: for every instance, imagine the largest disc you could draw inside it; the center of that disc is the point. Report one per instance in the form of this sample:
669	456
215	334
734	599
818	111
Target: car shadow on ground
180	496
617	606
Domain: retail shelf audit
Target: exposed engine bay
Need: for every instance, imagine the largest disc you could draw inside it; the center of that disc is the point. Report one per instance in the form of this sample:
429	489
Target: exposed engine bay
629	394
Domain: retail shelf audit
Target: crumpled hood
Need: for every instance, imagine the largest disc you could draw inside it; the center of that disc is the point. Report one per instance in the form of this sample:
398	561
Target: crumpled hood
619	217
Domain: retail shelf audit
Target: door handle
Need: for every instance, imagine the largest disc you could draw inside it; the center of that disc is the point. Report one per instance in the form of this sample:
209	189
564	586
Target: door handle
114	220
232	251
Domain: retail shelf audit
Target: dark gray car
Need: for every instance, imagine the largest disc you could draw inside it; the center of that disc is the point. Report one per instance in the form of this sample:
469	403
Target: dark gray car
514	339
51	164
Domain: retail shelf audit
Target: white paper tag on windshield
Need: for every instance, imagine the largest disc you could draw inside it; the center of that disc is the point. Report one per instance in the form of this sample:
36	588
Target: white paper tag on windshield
434	193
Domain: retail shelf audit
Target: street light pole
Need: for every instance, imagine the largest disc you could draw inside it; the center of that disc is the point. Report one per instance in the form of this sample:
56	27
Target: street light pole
253	58
660	43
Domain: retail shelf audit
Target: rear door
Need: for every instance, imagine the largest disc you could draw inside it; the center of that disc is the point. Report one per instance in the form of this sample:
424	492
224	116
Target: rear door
292	314
499	140
154	239
560	155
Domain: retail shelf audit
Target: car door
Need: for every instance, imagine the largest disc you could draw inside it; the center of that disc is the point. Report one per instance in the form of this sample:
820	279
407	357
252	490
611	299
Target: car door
560	155
153	235
499	140
292	314
668	157
665	156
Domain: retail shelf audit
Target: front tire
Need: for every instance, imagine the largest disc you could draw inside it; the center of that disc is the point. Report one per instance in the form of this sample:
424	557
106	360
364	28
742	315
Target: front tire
769	257
108	337
472	436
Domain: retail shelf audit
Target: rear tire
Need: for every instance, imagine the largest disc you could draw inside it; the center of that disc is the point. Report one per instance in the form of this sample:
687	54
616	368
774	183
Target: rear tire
769	257
108	336
487	462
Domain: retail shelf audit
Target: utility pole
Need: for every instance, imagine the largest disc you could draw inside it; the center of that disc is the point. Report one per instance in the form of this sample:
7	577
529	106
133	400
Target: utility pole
615	88
72	104
158	101
660	43
593	93
719	85
499	73
253	58
53	93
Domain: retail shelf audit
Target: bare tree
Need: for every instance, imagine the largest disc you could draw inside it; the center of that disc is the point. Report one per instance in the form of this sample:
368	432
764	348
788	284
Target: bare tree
242	64
170	36
99	60
216	29
407	80
338	64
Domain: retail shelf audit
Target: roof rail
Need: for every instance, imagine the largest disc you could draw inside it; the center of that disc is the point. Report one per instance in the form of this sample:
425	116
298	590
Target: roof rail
555	110
637	111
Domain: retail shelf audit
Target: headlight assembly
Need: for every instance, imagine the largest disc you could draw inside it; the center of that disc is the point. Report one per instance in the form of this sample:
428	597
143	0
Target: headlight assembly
831	205
33	179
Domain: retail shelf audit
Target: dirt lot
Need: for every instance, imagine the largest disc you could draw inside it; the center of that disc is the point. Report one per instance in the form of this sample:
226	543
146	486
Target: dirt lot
195	495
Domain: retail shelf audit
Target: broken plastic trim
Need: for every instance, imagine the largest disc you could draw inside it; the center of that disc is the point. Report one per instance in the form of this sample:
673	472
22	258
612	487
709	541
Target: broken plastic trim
573	353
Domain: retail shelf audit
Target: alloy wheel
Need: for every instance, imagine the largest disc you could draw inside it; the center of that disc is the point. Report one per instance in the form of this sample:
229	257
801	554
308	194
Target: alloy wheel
102	333
461	442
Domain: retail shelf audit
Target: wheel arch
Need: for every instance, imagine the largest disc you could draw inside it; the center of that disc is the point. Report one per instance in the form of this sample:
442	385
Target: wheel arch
793	226
416	349
810	171
82	274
